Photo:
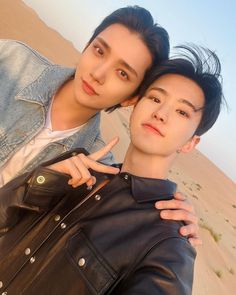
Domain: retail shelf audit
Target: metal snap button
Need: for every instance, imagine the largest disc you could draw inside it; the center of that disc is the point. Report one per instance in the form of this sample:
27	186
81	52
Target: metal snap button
32	259
40	179
57	217
27	251
97	197
126	176
63	225
81	262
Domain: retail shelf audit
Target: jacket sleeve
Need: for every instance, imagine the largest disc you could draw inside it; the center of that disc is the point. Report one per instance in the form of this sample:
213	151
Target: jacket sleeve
166	270
99	143
36	191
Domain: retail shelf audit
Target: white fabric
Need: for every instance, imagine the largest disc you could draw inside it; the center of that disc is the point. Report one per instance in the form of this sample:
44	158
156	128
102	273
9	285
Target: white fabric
26	153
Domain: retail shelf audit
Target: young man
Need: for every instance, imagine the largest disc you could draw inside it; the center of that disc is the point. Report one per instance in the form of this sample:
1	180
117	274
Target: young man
58	240
47	109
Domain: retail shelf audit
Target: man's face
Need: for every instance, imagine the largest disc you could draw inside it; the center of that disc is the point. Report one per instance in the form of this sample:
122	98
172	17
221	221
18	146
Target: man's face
110	68
165	119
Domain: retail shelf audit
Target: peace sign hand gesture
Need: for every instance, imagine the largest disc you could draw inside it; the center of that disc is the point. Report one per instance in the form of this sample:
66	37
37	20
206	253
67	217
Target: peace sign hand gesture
78	166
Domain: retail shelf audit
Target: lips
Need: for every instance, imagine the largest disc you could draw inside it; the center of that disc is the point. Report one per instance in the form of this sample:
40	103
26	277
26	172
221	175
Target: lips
153	129
88	89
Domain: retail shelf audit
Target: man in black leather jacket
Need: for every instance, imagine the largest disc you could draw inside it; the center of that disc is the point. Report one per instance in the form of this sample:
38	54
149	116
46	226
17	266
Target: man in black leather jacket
108	239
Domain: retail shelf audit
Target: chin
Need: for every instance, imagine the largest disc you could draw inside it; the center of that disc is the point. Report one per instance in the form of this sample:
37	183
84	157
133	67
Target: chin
152	150
146	149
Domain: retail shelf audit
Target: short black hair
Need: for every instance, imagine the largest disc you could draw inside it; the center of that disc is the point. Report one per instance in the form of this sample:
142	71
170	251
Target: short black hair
202	66
140	21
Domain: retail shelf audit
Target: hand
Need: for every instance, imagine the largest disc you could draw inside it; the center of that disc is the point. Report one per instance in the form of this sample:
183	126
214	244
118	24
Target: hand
182	209
77	166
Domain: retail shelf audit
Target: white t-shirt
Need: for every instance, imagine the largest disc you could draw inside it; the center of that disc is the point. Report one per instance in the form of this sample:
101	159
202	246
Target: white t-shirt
26	153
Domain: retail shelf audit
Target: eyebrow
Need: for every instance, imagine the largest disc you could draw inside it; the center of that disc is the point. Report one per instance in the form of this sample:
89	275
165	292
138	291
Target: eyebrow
121	61
187	102
182	100
104	43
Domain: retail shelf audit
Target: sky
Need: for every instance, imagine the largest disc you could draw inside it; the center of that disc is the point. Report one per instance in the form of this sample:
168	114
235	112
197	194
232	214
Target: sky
210	23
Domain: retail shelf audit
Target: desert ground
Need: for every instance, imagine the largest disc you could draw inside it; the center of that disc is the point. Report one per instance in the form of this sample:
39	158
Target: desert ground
212	192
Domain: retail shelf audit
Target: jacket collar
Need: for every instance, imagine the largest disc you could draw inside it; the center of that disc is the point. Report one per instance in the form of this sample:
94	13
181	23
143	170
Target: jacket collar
41	91
149	189
46	85
81	138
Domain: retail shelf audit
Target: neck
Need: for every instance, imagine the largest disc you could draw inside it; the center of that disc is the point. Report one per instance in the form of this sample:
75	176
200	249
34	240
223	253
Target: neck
140	164
66	111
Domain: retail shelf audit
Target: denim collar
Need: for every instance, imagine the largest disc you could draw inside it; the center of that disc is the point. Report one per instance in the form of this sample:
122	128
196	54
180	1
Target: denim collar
41	91
45	86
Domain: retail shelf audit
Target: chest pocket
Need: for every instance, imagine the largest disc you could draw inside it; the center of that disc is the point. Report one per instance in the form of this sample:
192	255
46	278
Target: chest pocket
96	272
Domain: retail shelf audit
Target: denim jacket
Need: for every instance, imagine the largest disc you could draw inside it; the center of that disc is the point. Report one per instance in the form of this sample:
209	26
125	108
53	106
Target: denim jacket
28	82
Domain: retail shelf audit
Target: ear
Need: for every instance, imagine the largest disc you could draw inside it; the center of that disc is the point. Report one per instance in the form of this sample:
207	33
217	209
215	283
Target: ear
129	101
190	145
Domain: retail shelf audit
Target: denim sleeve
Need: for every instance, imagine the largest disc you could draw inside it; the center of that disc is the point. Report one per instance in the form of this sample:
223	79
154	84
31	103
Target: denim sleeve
98	144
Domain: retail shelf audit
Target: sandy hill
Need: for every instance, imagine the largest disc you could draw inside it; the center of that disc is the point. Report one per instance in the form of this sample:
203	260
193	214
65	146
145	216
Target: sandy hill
20	22
213	194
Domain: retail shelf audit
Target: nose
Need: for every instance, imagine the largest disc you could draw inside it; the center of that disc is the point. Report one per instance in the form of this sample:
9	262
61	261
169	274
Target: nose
161	114
99	72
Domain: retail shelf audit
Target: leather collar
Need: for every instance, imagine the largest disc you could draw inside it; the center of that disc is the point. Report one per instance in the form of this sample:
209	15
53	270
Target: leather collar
149	189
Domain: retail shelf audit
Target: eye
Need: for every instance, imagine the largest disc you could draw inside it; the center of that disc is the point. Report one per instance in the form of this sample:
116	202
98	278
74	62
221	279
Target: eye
123	75
98	50
183	113
155	99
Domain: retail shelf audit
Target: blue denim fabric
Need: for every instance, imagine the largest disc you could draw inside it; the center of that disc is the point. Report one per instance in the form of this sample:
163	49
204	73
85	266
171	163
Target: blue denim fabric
28	82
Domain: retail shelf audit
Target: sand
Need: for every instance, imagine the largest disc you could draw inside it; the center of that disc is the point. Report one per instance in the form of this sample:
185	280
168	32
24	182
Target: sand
212	193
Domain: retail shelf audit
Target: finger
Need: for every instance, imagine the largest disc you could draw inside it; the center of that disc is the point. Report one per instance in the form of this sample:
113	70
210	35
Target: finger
73	172
195	241
175	204
181	215
180	196
99	167
189	230
105	150
63	166
183	197
91	181
83	170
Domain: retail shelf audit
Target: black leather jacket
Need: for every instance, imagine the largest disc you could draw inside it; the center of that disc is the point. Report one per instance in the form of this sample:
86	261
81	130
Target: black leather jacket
57	241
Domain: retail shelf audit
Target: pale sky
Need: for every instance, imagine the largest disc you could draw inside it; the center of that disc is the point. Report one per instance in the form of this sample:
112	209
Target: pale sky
210	23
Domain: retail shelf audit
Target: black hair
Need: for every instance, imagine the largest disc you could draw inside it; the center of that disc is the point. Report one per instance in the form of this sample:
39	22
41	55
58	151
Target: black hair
139	20
202	66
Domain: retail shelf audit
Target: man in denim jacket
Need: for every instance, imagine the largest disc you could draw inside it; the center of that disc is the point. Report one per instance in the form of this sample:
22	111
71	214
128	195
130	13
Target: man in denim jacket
47	109
38	95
